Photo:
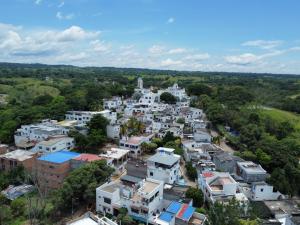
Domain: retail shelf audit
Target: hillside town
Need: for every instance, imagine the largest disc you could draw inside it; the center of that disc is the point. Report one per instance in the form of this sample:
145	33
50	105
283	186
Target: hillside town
149	180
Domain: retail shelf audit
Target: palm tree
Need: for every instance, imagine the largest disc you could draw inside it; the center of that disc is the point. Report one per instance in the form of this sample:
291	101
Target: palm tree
123	130
140	127
217	140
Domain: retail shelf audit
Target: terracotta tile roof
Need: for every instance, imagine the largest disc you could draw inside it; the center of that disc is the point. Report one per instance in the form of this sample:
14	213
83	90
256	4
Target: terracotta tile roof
88	157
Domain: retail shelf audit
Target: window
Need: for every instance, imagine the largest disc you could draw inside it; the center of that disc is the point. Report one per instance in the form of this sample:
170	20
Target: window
261	190
151	174
107	200
135	210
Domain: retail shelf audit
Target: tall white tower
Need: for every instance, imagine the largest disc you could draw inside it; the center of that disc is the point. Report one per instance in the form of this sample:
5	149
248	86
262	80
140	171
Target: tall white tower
140	83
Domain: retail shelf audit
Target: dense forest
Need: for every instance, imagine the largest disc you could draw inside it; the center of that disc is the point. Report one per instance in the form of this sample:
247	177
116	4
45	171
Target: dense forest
258	114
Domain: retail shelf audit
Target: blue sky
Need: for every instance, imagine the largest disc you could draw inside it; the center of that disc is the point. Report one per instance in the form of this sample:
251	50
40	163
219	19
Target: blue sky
207	35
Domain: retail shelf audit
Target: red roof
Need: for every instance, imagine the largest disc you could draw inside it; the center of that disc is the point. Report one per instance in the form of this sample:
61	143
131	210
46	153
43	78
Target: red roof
207	174
182	210
88	157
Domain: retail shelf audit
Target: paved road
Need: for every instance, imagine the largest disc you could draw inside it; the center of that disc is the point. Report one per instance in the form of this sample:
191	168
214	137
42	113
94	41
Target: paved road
223	144
183	172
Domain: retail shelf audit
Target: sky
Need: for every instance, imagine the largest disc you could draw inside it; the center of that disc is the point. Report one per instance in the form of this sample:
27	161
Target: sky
196	35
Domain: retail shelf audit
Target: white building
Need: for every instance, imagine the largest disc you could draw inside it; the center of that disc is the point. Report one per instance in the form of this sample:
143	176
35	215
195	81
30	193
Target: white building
91	219
195	151
261	191
113	103
142	200
148	98
83	117
134	144
198	124
116	158
55	144
175	90
164	166
217	186
28	135
202	136
113	131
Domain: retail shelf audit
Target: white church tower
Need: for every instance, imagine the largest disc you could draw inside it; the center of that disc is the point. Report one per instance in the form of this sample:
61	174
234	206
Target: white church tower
140	83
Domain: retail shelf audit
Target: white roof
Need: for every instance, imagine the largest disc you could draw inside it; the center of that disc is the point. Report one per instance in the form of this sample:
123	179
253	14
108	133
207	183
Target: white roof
251	167
165	149
115	153
54	141
85	221
19	155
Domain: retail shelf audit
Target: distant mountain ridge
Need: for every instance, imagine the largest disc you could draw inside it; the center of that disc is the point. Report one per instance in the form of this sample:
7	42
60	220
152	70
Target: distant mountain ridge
126	71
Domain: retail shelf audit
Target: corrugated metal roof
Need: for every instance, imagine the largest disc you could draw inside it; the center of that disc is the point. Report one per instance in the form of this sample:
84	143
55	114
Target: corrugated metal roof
165	216
131	179
59	157
164	159
174	207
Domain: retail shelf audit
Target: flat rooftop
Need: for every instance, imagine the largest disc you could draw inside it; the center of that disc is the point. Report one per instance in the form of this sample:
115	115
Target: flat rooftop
115	153
287	206
251	167
111	188
163	149
59	157
148	186
131	179
87	157
84	112
135	140
85	221
19	155
54	141
164	159
67	123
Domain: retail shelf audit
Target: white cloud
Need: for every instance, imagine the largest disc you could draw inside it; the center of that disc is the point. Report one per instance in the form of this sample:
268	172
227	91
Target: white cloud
37	2
170	62
171	20
61	16
100	46
177	51
243	59
75	33
61	4
156	49
250	58
263	44
197	57
78	46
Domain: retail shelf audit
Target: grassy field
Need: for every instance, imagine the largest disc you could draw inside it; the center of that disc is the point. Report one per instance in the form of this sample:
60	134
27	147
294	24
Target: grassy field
31	86
281	116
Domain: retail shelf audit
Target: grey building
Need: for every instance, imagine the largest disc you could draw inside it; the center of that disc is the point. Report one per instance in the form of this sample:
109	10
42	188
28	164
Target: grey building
251	172
226	162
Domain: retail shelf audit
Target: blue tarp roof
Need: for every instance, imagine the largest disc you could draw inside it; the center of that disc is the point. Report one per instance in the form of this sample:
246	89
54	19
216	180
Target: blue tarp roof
174	207
59	157
165	216
188	213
